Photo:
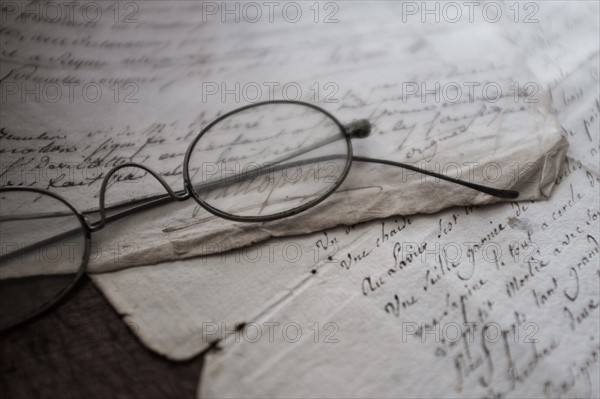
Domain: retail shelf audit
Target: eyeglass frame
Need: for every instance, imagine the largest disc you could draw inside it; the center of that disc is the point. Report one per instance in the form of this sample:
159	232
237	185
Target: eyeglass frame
357	129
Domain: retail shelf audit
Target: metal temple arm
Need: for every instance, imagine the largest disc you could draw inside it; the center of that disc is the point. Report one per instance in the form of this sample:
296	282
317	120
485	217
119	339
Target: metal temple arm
496	192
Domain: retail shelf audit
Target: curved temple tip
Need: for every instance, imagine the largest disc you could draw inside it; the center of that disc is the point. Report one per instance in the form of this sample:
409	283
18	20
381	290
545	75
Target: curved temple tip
511	194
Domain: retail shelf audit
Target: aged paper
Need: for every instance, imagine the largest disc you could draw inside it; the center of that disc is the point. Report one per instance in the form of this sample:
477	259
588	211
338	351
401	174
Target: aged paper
491	301
519	334
563	51
498	301
494	301
82	96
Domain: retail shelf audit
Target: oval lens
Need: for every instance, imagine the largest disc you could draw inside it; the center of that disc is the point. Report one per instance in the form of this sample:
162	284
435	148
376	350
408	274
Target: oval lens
268	159
42	253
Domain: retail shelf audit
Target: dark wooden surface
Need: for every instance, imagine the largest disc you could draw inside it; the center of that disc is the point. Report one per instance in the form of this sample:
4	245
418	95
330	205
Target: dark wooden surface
83	349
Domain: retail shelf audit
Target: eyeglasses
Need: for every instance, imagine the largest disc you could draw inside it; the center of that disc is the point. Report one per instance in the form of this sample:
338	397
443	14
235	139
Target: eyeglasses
261	162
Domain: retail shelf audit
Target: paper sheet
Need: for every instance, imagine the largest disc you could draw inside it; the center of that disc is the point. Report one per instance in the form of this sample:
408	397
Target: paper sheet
415	316
563	51
371	309
488	301
83	96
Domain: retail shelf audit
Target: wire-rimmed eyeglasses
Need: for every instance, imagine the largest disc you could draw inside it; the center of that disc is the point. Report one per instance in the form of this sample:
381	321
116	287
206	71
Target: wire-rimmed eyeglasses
261	162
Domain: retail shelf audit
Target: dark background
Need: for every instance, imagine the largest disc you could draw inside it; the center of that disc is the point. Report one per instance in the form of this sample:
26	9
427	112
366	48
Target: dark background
83	349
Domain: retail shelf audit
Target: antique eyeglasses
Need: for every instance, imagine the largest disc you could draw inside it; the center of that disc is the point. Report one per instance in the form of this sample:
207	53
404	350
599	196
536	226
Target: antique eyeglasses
261	162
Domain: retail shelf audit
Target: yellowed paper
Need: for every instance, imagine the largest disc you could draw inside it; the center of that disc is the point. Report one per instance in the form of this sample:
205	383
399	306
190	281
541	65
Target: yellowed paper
486	301
501	300
473	301
458	110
